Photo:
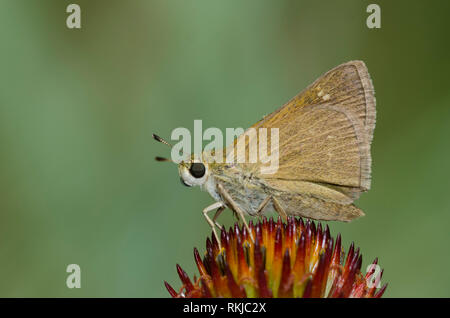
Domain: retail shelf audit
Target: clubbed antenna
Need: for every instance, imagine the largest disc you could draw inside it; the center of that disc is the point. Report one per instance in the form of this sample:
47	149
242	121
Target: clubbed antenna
157	138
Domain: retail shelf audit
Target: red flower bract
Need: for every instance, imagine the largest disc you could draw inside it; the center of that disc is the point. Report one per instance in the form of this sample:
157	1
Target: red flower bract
292	259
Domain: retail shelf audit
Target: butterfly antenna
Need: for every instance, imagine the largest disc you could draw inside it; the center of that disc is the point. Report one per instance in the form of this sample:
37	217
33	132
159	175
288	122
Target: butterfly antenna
162	159
157	138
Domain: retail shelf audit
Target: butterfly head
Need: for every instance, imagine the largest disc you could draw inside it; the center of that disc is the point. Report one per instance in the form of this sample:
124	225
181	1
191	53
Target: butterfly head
193	172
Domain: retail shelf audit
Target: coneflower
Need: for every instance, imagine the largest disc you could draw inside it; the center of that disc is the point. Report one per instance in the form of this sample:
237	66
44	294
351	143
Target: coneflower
292	259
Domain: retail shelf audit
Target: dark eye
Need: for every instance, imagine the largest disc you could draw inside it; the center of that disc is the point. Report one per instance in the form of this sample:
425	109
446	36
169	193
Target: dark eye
197	170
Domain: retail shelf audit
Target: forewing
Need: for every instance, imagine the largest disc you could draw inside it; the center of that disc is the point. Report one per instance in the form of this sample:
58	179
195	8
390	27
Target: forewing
325	132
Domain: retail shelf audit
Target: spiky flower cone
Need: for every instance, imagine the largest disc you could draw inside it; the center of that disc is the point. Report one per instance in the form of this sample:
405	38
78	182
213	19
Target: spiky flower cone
293	259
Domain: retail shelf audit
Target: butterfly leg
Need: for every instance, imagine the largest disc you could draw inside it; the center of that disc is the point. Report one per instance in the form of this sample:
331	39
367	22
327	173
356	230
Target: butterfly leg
276	205
216	215
263	205
213	206
235	207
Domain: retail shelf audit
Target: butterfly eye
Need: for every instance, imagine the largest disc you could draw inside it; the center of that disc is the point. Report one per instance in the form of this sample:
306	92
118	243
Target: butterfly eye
197	170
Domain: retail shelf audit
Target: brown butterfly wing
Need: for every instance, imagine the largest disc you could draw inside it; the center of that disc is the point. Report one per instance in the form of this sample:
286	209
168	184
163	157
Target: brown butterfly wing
324	145
325	132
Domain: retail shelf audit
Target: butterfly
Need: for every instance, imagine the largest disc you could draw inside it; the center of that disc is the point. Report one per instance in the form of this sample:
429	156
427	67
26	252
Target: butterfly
324	138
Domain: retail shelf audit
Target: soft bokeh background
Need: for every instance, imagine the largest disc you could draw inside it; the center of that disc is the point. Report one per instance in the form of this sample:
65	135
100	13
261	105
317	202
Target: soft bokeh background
77	108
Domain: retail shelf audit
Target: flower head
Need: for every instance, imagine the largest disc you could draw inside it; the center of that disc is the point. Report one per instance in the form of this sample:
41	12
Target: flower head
293	259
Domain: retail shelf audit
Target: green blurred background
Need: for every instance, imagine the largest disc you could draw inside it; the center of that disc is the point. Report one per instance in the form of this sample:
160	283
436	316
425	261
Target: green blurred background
77	109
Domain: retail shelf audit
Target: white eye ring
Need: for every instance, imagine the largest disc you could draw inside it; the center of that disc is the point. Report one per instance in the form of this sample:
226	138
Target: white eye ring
189	179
